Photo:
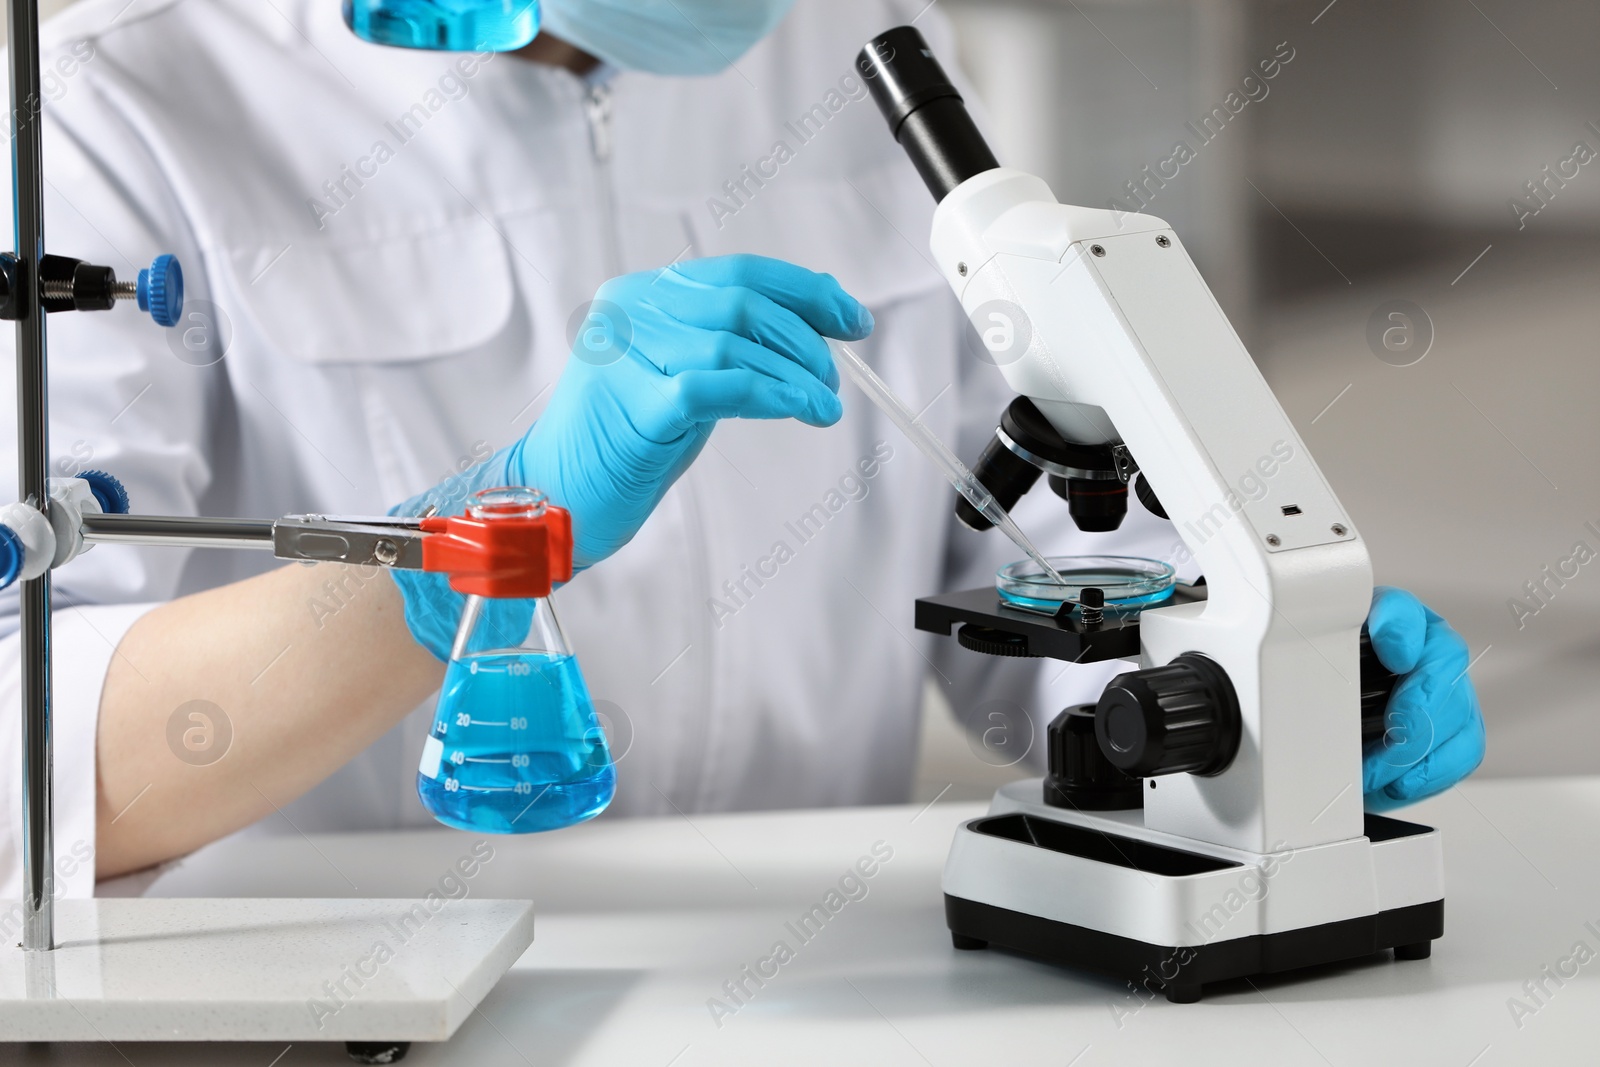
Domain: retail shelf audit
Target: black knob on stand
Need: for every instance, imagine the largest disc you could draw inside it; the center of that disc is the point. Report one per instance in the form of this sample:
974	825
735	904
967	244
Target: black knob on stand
1080	776
1377	685
1172	719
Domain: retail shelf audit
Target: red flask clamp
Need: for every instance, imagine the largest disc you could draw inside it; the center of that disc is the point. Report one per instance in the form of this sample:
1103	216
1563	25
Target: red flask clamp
511	544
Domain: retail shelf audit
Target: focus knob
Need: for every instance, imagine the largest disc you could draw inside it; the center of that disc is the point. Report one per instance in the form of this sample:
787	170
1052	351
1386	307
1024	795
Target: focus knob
1080	777
1377	685
1183	717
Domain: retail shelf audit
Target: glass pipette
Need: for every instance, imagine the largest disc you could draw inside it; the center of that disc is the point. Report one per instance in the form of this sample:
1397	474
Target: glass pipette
928	442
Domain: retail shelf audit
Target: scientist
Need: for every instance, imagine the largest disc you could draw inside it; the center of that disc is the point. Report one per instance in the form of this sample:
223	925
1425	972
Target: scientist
389	255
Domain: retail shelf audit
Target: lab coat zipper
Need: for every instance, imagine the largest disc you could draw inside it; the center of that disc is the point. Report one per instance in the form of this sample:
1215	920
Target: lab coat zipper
689	771
597	108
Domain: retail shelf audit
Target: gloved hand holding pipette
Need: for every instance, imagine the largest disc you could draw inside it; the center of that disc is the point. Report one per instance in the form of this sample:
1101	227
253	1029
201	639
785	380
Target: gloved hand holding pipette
665	355
957	473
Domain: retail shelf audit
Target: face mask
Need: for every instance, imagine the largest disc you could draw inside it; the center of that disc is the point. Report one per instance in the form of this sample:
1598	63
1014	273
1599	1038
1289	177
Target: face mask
445	25
673	37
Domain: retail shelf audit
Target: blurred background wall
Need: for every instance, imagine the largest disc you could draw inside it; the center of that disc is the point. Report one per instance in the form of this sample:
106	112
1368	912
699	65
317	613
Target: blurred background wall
1417	151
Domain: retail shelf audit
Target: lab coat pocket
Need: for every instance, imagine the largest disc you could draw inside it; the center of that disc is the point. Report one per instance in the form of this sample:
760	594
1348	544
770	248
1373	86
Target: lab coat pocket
395	299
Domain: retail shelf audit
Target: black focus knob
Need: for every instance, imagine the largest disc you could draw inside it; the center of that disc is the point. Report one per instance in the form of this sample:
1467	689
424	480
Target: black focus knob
1183	717
1377	685
993	642
1080	776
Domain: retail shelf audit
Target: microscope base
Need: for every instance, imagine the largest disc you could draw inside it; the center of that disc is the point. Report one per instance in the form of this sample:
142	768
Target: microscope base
1409	931
1098	890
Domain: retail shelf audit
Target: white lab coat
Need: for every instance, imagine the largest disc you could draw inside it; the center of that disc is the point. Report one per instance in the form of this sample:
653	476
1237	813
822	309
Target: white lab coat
397	243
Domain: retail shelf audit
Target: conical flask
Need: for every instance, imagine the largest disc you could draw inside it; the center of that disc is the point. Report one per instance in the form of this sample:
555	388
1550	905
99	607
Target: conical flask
516	746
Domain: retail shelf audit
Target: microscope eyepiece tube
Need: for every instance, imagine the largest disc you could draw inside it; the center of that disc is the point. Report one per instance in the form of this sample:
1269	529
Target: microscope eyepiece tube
925	111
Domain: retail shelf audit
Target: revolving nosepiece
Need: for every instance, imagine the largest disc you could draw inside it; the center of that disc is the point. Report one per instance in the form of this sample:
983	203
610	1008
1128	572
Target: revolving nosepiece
1026	445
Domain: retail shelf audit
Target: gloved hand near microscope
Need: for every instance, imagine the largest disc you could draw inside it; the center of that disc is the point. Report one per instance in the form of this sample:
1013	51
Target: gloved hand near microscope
1433	730
667	354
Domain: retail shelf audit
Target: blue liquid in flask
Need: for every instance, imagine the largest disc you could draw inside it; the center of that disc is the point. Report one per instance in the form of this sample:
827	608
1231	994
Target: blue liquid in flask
516	746
446	25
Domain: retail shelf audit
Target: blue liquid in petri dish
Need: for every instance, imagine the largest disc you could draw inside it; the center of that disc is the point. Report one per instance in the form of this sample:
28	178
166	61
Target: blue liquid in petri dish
1122	606
516	747
445	25
1130	584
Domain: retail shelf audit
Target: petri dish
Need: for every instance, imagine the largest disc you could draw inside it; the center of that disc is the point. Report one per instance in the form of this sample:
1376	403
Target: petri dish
1130	583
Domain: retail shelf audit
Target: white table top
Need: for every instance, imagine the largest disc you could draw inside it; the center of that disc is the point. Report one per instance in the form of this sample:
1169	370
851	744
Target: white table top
640	924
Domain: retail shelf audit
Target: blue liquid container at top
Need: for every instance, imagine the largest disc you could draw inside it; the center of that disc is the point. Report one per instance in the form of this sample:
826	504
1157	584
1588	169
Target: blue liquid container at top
516	746
445	25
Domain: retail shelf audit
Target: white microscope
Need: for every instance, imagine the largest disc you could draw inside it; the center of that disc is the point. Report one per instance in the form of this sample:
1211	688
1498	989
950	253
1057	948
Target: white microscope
1204	820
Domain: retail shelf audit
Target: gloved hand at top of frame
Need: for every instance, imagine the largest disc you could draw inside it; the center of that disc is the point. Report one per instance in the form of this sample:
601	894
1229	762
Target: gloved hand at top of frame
662	357
1434	734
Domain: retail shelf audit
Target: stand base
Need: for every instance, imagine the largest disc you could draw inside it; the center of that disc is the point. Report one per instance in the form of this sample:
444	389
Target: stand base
1181	972
367	972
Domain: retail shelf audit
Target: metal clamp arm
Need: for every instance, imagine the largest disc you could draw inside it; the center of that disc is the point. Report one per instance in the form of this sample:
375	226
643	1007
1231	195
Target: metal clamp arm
490	556
384	542
177	532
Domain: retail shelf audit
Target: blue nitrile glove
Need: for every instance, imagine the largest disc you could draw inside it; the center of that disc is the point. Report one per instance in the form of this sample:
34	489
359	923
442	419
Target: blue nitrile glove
1434	735
661	358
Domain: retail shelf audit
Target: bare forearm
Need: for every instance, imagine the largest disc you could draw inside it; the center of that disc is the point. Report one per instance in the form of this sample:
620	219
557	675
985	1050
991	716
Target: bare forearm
220	707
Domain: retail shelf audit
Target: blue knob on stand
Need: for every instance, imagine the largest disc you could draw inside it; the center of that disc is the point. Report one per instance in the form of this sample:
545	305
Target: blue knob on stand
12	555
161	291
108	492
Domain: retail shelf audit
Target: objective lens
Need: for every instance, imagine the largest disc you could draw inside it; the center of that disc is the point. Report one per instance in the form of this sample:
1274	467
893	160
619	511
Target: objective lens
1097	505
1005	475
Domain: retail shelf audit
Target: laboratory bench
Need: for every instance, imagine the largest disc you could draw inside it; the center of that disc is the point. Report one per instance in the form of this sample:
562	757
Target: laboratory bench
818	937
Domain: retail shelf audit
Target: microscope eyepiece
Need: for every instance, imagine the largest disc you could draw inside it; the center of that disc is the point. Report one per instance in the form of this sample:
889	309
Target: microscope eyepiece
925	110
903	75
